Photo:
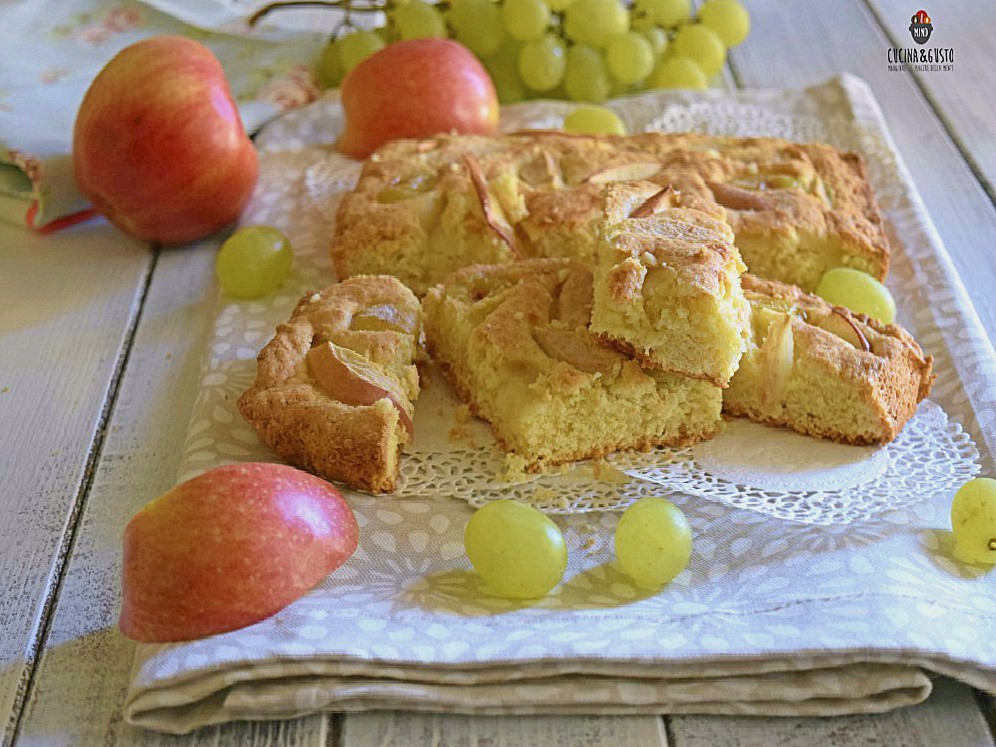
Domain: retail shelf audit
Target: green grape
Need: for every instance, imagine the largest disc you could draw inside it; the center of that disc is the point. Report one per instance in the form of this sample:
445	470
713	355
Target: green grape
517	550
356	47
477	25
558	6
525	20
542	62
417	19
503	67
973	521
666	13
595	22
653	541
586	78
702	44
728	18
640	21
594	120
330	70
657	38
857	291
630	57
679	72
253	261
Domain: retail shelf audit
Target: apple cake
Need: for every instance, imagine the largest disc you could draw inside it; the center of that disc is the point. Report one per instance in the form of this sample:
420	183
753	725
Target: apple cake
514	341
334	387
423	208
667	282
823	370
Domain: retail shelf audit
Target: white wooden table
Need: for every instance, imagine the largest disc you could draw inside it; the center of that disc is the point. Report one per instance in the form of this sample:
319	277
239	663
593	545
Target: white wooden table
100	340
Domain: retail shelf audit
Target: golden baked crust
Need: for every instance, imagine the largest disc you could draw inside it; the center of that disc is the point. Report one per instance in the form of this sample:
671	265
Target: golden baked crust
514	342
417	211
825	371
294	412
667	285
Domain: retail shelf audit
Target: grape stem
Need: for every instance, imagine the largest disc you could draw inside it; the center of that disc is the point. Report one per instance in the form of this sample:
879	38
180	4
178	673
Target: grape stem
371	6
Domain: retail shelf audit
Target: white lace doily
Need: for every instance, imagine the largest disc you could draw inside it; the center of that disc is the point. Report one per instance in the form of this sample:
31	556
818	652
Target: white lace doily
771	470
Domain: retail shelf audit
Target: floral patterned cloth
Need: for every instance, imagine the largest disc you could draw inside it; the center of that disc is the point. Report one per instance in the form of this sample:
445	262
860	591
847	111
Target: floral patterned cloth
52	50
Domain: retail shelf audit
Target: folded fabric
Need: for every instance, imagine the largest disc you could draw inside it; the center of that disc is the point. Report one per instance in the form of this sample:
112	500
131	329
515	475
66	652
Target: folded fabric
53	49
844	612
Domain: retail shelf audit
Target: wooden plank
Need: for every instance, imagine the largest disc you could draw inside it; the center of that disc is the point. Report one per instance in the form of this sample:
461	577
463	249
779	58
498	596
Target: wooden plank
82	676
950	717
68	305
805	42
414	729
963	97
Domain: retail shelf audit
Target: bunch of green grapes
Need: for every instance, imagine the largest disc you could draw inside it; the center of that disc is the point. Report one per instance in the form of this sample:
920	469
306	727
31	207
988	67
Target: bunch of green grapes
582	50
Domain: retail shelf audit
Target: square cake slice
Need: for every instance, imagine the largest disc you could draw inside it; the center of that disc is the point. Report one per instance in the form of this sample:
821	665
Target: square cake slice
514	341
825	371
334	387
667	282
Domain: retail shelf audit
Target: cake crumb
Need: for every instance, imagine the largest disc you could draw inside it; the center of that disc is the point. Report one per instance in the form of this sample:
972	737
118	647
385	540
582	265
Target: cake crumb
605	472
549	497
515	469
462	414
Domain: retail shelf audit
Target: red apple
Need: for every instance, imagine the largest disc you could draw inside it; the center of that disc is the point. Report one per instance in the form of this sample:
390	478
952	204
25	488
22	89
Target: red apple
158	145
416	88
229	548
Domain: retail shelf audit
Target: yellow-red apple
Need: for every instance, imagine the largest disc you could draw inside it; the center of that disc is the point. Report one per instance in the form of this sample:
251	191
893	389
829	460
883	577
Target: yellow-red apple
416	88
158	145
230	548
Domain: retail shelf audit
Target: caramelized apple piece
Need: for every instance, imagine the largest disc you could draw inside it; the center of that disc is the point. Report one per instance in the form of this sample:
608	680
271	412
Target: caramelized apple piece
384	318
776	357
494	215
542	171
839	323
667	197
625	172
738	198
350	378
577	296
764	182
579	349
404	188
